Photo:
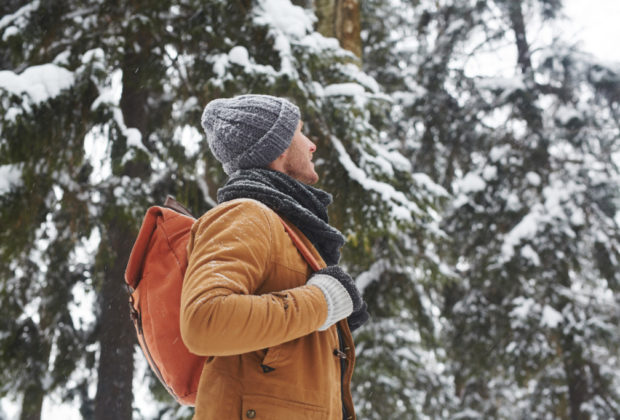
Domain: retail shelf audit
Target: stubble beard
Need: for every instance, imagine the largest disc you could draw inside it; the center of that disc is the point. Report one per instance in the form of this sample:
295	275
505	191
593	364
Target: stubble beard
296	170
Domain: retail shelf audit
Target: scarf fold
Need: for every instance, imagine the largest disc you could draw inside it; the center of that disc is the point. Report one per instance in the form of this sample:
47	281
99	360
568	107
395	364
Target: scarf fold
302	205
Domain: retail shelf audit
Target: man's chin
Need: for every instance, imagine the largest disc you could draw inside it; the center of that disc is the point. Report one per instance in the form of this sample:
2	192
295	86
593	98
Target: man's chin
314	179
308	179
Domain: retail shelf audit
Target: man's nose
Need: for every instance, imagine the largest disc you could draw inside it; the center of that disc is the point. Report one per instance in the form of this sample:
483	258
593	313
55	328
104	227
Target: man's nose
312	147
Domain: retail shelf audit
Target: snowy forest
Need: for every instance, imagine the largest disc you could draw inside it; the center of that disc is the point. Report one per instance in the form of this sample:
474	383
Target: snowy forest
472	151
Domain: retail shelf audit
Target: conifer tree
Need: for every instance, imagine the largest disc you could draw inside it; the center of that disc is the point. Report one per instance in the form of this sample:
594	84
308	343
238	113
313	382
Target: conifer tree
123	131
84	166
526	158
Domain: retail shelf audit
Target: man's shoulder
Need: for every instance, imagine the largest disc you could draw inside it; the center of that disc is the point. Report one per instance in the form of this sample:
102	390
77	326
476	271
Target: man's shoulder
240	210
242	205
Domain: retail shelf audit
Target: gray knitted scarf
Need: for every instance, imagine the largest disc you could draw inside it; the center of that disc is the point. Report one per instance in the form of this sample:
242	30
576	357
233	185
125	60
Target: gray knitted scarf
302	205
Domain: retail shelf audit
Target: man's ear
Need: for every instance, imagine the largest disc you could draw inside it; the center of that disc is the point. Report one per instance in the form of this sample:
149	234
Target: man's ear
278	163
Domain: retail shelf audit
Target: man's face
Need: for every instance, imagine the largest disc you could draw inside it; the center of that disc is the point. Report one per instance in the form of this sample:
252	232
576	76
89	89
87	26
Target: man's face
296	161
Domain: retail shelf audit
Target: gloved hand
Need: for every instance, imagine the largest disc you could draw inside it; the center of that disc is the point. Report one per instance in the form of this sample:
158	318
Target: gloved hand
340	292
358	318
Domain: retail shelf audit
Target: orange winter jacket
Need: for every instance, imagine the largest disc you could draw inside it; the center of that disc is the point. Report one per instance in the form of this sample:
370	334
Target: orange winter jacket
245	303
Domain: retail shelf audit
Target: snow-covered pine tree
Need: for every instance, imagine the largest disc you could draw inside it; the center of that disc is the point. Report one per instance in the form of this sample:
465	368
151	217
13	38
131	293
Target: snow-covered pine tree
84	112
118	128
385	210
42	223
540	235
408	54
526	140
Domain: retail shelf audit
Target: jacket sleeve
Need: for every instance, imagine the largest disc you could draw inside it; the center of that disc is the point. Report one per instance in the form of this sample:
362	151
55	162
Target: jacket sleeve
229	257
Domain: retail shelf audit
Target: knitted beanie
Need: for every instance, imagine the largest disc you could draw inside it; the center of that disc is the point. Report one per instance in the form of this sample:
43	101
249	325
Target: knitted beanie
249	131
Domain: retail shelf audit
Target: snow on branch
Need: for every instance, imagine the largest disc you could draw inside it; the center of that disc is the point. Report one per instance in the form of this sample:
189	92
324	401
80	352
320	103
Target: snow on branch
110	95
344	89
284	16
289	25
372	274
19	16
402	207
558	197
10	177
40	83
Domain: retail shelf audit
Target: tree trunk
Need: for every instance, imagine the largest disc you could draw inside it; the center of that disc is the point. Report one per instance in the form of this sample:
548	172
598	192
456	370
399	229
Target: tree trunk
515	13
115	372
527	106
341	19
36	368
577	379
32	402
114	392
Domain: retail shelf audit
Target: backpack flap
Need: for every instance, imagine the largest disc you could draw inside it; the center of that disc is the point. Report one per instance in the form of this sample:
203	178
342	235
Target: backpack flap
133	272
155	273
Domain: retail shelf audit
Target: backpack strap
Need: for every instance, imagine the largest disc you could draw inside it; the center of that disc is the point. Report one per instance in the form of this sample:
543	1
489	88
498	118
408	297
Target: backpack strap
173	204
303	249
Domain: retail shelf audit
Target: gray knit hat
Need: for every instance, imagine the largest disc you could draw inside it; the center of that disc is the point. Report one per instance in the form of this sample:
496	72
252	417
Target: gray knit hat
249	131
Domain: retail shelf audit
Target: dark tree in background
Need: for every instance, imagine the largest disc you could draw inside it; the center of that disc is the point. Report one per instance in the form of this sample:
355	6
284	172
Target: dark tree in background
71	214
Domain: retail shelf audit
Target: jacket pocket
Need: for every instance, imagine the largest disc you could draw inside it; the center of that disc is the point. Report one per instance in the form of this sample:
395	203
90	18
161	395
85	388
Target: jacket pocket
272	408
271	357
283	355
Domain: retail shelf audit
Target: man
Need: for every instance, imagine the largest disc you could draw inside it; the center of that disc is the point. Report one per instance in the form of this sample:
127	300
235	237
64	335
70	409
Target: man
277	333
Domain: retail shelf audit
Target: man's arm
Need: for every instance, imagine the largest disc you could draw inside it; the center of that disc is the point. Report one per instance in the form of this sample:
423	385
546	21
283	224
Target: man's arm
229	255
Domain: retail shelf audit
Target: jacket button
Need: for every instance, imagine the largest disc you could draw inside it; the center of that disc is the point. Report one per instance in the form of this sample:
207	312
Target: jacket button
250	414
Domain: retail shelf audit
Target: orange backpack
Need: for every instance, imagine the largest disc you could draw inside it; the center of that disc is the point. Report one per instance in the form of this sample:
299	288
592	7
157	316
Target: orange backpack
154	278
